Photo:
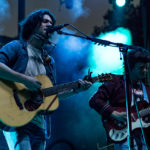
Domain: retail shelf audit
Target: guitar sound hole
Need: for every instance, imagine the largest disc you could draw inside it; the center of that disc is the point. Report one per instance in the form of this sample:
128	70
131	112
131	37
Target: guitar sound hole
35	101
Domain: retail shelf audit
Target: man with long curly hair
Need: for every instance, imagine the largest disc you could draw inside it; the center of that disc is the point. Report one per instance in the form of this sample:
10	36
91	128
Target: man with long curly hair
20	61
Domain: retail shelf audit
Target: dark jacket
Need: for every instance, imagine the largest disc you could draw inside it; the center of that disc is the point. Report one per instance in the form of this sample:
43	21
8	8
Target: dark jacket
111	95
15	56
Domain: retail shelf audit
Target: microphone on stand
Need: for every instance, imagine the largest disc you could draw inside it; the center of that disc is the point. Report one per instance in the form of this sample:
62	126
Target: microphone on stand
55	28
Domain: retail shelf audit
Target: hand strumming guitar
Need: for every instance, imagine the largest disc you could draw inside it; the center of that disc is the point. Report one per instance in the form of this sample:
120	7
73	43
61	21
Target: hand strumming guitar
8	74
35	101
32	83
36	98
119	116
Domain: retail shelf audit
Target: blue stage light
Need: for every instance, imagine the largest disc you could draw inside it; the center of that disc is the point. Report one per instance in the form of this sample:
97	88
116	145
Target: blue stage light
120	3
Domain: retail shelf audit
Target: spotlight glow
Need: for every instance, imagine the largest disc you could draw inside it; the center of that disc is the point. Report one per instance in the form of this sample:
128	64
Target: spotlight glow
120	3
107	59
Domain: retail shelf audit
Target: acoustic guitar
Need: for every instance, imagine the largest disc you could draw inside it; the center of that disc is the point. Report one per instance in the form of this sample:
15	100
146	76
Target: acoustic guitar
13	97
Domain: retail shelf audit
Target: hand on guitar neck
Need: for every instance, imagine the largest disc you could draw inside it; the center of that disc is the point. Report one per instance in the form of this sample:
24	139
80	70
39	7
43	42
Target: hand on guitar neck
83	85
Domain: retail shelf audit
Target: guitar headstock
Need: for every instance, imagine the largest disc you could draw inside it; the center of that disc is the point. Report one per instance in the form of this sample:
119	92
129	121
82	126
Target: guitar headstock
99	78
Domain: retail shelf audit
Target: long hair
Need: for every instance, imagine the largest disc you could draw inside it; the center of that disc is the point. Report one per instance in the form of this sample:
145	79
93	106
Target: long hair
28	25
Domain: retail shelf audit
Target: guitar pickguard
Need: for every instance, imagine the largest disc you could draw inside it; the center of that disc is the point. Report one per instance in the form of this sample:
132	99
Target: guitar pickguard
120	135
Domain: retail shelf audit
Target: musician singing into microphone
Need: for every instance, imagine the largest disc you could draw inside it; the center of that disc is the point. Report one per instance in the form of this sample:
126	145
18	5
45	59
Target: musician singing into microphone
20	61
110	102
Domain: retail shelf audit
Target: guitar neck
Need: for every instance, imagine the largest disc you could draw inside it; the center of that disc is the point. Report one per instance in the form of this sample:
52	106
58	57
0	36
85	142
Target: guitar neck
97	79
60	88
73	85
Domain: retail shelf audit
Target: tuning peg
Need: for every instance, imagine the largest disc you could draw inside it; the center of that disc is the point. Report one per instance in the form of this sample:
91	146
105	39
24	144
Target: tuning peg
88	77
89	73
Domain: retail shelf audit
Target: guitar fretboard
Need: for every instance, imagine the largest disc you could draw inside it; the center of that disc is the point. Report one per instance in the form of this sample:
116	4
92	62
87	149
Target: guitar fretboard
73	85
60	88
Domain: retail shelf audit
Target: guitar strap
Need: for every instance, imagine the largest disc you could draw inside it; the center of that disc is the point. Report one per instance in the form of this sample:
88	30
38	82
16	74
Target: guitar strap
47	59
48	125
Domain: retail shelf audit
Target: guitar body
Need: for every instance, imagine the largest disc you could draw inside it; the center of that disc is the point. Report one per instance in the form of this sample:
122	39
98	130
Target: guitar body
118	132
10	113
15	96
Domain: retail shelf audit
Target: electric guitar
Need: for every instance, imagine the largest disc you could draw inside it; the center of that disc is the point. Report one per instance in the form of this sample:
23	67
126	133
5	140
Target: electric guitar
117	131
13	97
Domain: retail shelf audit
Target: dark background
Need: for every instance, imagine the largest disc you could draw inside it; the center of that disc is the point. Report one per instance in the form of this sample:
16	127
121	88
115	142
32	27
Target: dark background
74	123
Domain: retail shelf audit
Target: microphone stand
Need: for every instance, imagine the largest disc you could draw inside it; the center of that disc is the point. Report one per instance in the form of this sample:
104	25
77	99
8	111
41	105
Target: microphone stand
123	48
124	51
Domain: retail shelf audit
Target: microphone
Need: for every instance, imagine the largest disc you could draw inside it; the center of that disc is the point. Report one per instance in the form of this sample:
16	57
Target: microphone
55	28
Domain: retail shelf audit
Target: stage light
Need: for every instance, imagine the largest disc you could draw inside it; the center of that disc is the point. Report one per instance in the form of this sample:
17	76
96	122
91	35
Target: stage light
120	3
107	59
